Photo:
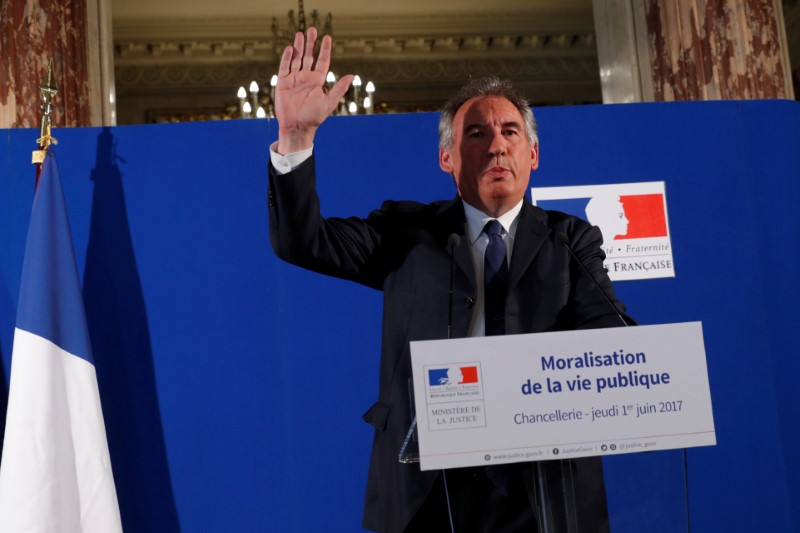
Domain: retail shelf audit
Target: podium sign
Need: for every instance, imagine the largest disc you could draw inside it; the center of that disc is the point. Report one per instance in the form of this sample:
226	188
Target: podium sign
559	395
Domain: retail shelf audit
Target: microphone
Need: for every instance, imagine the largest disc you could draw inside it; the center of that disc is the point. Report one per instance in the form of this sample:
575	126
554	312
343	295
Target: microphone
452	243
563	239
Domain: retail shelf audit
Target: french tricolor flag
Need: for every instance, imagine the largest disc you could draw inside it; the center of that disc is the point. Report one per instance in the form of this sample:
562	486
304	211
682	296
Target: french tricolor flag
55	473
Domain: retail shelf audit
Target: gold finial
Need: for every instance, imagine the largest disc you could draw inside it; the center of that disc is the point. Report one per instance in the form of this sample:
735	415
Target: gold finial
48	86
48	89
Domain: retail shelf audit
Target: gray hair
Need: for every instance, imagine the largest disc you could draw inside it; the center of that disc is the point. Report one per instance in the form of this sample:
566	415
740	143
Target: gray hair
482	87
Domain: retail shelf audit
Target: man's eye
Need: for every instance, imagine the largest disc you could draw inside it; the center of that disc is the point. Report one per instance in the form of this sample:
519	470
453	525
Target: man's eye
475	134
510	132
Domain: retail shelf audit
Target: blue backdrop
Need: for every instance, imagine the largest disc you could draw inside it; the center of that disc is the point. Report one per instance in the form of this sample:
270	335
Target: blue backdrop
233	384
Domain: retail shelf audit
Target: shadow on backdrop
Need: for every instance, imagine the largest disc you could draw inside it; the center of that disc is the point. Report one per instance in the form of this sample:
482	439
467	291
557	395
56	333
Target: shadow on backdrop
8	321
4	375
123	356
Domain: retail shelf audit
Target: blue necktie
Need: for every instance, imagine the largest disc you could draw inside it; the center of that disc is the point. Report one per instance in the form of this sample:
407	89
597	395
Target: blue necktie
495	284
495	279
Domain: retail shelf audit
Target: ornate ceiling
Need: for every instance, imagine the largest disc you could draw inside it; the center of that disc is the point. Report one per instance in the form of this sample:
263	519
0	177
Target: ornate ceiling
184	59
180	59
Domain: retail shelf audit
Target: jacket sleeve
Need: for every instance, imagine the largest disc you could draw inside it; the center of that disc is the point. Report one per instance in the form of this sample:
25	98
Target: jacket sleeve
588	305
340	247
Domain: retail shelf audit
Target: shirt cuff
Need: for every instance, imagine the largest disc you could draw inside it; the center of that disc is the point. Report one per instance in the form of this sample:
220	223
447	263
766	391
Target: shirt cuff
284	164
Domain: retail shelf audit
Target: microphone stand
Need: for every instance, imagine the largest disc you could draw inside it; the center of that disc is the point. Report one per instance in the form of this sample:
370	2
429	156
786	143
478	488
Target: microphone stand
453	241
407	455
547	522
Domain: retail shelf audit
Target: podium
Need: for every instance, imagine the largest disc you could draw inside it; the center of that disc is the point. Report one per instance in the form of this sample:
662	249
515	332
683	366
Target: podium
546	401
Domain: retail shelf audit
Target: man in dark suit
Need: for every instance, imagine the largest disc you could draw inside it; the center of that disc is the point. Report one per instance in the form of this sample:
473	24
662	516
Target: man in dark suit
512	276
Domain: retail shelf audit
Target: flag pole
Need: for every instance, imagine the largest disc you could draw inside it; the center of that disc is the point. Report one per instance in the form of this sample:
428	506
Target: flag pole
55	470
48	90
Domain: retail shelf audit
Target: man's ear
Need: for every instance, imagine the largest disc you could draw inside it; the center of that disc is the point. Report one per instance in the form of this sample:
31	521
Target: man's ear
445	160
535	156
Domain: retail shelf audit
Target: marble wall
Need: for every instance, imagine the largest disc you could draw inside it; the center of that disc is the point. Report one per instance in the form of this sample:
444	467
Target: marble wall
33	32
717	49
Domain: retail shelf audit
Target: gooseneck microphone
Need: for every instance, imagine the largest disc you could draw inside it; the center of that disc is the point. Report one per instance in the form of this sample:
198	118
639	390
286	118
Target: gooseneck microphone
563	239
406	455
452	243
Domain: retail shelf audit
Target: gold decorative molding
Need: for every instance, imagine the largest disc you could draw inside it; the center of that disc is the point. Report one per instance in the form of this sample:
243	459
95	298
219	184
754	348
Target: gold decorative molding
157	78
148	41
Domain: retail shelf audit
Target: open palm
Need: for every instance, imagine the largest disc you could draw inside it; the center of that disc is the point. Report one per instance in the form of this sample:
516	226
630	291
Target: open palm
301	103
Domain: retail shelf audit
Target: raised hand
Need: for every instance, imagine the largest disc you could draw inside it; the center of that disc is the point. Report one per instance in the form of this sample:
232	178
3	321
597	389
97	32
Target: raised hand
301	103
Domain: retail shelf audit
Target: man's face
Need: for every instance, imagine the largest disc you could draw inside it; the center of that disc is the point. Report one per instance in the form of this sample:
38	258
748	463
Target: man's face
491	158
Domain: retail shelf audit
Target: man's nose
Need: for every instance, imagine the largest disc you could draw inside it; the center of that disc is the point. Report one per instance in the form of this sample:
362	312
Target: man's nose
498	145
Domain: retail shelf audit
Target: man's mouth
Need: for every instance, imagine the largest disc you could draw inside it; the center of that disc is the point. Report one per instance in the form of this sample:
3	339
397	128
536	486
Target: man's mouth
496	172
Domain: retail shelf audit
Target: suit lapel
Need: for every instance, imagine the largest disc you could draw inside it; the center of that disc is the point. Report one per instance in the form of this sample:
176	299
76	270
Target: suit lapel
531	234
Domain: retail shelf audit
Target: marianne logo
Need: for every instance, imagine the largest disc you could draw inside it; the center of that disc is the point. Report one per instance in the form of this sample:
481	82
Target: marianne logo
632	218
454	395
635	216
453	375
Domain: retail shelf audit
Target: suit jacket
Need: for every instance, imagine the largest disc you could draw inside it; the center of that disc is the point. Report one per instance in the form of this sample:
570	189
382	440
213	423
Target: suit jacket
402	249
